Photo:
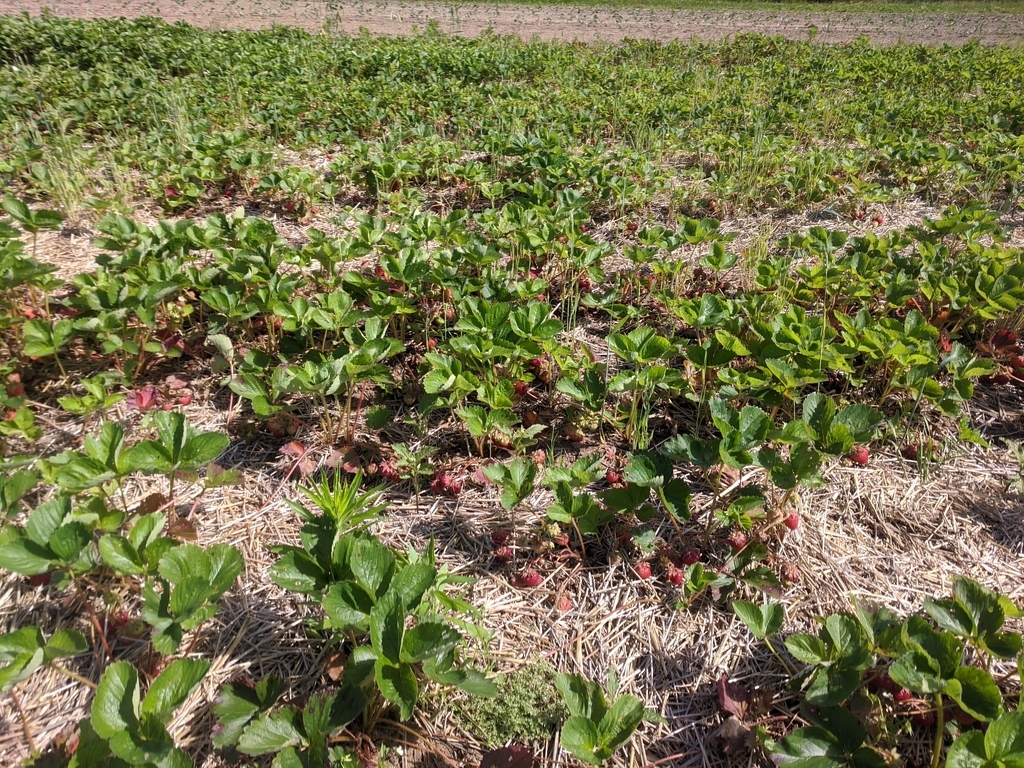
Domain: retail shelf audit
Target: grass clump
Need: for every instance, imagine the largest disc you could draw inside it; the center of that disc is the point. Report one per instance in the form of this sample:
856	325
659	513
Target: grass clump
527	708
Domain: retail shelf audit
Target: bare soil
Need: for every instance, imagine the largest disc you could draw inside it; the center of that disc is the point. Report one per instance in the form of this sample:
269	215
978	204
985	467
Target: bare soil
552	22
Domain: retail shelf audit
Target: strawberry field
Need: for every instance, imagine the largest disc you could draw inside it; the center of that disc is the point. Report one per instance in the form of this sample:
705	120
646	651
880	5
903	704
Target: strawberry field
479	402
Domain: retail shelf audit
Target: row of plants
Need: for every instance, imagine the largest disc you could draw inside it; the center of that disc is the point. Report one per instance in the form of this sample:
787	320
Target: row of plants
476	119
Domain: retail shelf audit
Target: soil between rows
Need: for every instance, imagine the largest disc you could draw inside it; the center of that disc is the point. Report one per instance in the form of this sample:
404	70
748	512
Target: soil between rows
552	22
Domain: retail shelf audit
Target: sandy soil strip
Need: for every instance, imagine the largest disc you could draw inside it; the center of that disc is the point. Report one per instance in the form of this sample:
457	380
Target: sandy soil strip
552	22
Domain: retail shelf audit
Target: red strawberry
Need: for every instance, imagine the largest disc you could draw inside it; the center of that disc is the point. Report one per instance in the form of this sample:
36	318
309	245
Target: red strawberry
962	717
499	536
859	455
674	576
185	400
15	389
910	451
690	556
1017	361
1003	339
792	522
902	695
788	572
504	554
736	539
878	220
613	476
282	425
431	343
882	682
564	604
998	378
39	580
445	484
643	570
528	578
923	719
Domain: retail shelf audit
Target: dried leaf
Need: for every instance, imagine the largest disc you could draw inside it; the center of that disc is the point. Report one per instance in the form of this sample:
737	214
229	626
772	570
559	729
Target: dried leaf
304	463
152	503
294	448
745	703
181	528
336	665
176	382
733	738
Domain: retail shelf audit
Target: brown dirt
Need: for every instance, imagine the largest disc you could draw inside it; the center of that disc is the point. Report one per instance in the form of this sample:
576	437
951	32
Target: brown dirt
553	22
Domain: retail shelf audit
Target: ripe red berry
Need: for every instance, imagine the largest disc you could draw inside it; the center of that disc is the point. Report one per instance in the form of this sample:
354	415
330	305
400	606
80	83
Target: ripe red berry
445	484
499	536
504	554
792	522
910	451
674	576
690	557
999	378
528	578
859	455
736	539
15	389
882	682
923	719
878	220
902	695
613	476
39	580
962	717
643	570
564	604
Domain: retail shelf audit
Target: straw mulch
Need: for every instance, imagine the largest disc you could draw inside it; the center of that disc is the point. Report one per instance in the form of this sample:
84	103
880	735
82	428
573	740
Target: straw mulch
886	533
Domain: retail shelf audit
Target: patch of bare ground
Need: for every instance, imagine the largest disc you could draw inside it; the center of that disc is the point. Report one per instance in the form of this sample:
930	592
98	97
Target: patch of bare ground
582	23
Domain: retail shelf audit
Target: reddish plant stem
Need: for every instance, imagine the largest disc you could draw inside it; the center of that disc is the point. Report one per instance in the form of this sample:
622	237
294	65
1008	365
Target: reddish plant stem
24	724
95	619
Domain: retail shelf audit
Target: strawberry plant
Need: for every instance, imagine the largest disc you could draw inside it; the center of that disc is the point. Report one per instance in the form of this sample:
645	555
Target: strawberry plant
906	657
251	724
596	727
131	727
